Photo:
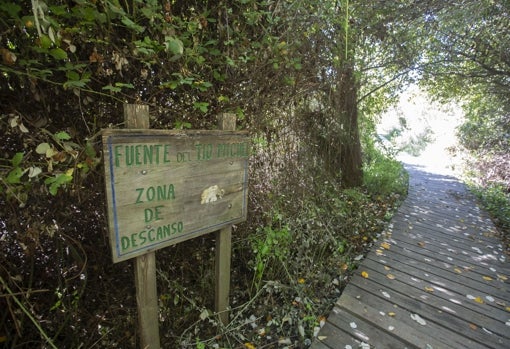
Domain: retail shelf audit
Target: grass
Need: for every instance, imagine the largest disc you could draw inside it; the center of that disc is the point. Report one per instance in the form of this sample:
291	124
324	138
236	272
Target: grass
495	198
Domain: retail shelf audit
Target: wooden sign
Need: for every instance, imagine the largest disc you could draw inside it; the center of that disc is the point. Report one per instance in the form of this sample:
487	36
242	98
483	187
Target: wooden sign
167	186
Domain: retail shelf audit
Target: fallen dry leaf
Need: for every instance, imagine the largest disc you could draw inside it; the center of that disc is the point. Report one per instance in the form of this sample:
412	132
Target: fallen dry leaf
364	274
418	319
429	289
392	314
385	245
8	57
478	300
457	270
386	267
421	244
487	278
390	276
502	277
473	327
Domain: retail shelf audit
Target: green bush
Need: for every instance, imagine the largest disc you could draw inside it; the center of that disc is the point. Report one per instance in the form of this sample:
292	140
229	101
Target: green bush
384	175
496	200
271	248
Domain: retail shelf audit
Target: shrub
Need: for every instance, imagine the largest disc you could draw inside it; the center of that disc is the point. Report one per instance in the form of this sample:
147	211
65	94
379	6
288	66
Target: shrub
384	175
496	200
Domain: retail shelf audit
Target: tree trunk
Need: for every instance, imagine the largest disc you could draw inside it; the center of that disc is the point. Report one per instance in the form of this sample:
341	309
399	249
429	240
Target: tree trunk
350	153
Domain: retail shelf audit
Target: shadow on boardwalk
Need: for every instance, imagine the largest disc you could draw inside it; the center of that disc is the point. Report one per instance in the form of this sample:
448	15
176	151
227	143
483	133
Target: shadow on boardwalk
437	278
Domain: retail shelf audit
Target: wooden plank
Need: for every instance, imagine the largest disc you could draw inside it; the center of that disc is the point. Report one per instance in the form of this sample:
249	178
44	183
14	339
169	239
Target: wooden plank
441	277
222	265
145	266
224	245
459	220
471	214
473	256
442	238
136	116
364	330
463	234
432	262
147	300
320	345
334	337
444	294
430	210
441	251
479	259
401	305
401	325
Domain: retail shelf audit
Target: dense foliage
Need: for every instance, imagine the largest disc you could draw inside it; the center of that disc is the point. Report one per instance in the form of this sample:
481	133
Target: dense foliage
286	69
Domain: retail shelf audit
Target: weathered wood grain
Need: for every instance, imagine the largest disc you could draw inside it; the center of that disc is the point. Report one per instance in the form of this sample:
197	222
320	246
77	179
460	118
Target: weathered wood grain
145	266
223	246
167	186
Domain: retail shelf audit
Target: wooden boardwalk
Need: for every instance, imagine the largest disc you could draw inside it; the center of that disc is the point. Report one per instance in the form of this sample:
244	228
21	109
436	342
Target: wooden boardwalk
437	278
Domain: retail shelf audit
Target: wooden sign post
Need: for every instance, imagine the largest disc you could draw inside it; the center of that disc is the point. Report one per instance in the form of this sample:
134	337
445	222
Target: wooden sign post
167	186
223	246
137	116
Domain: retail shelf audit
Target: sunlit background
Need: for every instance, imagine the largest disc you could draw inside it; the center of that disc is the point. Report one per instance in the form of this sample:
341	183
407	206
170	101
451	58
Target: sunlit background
423	132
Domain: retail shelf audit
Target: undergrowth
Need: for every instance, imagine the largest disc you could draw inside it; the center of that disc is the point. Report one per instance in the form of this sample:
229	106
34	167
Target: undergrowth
288	273
495	198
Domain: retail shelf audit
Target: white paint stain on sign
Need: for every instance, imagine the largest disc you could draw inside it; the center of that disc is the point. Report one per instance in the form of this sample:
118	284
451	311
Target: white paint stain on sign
211	194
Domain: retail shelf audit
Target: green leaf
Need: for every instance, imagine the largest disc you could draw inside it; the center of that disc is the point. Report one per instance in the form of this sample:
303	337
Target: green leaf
132	25
180	125
45	41
89	150
57	181
170	84
75	84
11	9
111	88
121	84
218	76
118	87
58	53
16	159
222	98
240	113
174	45
115	9
42	148
203	86
202	106
62	136
72	75
14	176
59	10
